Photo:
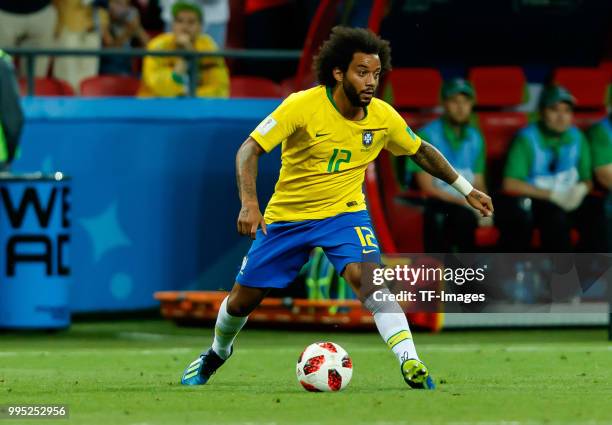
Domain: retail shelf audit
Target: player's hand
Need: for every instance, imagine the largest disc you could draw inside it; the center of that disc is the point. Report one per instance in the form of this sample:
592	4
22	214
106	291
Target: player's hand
481	202
249	219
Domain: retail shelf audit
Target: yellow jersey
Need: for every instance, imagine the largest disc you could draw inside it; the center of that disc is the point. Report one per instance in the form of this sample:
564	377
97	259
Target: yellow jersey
324	155
160	80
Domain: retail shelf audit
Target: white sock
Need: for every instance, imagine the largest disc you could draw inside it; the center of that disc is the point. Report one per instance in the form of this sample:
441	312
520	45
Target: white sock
226	329
393	327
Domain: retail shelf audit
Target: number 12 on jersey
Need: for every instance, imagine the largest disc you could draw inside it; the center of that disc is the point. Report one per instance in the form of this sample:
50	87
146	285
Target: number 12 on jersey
338	157
367	239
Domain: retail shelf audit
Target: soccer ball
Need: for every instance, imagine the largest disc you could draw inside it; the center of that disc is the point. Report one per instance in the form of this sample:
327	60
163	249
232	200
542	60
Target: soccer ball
324	366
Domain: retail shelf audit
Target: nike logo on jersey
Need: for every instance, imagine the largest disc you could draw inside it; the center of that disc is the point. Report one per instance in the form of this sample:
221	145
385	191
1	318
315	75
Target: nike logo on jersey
368	251
322	134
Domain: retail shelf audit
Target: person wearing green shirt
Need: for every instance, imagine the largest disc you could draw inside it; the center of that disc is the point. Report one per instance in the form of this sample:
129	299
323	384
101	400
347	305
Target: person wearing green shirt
448	221
600	137
549	164
11	115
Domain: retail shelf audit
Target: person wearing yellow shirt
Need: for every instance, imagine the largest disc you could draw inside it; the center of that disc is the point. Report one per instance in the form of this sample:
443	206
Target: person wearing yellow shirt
329	135
169	76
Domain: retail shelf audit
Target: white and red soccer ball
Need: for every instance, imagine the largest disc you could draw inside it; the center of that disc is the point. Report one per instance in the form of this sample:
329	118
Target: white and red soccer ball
324	366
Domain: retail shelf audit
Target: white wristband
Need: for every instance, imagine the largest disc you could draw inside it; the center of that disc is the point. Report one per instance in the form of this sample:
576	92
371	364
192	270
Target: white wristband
462	186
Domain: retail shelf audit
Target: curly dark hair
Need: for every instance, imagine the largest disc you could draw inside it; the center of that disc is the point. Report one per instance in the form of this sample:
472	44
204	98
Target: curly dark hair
339	49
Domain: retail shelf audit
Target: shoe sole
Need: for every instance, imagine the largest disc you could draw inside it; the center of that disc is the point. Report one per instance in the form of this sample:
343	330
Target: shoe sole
417	375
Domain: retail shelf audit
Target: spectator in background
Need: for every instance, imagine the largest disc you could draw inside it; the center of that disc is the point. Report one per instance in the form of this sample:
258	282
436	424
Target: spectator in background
11	116
600	138
217	13
169	76
549	163
449	221
28	23
124	28
80	26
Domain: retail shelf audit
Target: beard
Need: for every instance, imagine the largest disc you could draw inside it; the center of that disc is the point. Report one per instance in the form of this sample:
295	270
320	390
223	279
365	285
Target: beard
352	95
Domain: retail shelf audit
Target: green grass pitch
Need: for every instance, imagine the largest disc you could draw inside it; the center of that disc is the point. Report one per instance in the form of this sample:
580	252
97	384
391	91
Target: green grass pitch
128	373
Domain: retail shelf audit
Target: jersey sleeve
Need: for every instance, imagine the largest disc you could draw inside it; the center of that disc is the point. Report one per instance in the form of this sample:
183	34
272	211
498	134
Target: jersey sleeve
519	159
279	125
601	146
584	161
401	139
480	165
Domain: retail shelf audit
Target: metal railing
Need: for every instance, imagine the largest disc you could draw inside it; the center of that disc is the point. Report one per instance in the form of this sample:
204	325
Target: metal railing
190	56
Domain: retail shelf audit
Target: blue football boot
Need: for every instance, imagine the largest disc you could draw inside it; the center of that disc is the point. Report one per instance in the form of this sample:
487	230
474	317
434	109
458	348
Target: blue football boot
202	368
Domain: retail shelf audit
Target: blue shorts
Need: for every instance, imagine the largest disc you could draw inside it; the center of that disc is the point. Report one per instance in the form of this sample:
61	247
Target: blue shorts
274	260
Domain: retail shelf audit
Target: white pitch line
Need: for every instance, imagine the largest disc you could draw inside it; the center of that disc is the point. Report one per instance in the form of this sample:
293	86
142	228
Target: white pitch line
143	336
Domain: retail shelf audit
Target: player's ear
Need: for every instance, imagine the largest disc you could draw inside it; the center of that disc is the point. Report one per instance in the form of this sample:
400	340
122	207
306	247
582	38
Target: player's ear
338	74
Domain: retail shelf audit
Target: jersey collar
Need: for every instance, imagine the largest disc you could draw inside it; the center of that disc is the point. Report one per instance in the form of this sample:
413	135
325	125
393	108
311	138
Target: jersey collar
331	99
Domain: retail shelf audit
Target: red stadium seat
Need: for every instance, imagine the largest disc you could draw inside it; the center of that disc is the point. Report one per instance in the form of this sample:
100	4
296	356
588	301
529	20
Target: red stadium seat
245	86
415	92
588	85
47	87
405	222
415	87
590	88
418	119
110	85
498	86
498	129
498	91
606	66
585	119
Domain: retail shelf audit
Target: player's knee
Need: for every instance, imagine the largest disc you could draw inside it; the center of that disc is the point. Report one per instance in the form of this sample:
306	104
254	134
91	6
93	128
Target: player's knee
243	300
352	274
239	308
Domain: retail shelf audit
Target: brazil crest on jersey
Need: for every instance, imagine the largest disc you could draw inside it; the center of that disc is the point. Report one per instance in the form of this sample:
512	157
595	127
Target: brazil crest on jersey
324	155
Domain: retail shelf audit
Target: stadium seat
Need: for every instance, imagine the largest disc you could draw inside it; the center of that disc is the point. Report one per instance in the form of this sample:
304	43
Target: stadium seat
499	90
405	221
47	87
109	85
498	87
606	66
417	119
414	87
415	93
498	130
588	85
246	86
590	88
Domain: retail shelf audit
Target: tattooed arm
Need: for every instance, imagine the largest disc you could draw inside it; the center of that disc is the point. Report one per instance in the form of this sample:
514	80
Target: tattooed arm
433	162
249	218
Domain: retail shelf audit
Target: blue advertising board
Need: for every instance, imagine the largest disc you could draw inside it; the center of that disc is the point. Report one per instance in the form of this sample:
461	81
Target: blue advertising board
34	260
154	200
